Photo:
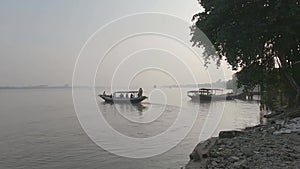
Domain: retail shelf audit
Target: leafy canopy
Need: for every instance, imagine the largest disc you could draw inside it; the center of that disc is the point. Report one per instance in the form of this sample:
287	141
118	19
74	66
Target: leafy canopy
255	36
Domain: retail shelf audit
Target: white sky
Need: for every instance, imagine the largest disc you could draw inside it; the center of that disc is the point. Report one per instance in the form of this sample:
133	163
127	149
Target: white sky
40	39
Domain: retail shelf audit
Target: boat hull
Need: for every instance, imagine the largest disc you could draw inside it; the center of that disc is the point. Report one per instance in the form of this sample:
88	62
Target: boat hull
109	99
210	98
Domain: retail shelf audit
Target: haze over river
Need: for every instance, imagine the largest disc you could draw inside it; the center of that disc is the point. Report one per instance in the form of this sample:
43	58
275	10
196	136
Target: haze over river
39	128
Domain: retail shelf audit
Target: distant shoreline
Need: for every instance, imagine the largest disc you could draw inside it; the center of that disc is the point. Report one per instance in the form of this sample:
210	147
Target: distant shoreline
67	86
46	87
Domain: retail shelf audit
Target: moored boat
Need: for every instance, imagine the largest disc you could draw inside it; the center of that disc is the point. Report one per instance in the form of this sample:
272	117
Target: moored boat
205	94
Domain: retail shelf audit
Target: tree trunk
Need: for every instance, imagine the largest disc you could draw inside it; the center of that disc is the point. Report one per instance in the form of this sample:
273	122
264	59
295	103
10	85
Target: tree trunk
283	65
296	87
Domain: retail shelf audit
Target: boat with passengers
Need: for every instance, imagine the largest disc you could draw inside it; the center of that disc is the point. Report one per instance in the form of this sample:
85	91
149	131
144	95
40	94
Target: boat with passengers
124	97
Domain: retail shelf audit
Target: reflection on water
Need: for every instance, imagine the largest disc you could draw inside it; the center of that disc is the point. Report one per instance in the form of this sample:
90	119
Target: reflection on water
140	107
128	107
204	105
139	120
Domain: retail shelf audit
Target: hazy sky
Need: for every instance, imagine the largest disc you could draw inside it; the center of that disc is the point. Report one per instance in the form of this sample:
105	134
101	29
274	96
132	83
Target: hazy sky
40	39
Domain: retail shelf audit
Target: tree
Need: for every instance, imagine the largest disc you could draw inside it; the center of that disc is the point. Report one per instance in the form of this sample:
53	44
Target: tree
258	37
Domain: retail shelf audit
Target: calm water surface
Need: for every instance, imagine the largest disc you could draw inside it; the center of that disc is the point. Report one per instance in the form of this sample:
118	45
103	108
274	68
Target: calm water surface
39	129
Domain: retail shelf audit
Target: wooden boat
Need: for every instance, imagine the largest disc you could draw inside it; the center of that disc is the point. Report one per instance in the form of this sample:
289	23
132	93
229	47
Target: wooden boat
208	94
123	97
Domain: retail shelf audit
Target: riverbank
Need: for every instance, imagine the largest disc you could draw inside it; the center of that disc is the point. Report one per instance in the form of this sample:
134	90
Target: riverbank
274	145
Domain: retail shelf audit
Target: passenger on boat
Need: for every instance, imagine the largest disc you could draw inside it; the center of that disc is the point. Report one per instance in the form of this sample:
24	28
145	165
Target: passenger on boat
104	93
140	93
131	95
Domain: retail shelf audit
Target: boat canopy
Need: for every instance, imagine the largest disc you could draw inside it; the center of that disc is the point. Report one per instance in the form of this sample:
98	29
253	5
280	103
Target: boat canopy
204	91
120	92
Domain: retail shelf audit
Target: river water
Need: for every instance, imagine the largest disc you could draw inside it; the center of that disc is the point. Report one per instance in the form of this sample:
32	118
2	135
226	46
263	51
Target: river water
39	128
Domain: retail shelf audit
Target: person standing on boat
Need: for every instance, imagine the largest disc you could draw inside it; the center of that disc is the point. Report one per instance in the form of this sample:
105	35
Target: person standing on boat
140	93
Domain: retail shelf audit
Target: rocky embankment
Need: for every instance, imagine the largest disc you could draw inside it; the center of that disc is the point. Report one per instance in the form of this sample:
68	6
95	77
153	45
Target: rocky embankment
272	146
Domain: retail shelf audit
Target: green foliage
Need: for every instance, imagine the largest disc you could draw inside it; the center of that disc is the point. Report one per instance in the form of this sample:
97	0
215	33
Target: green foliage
261	38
